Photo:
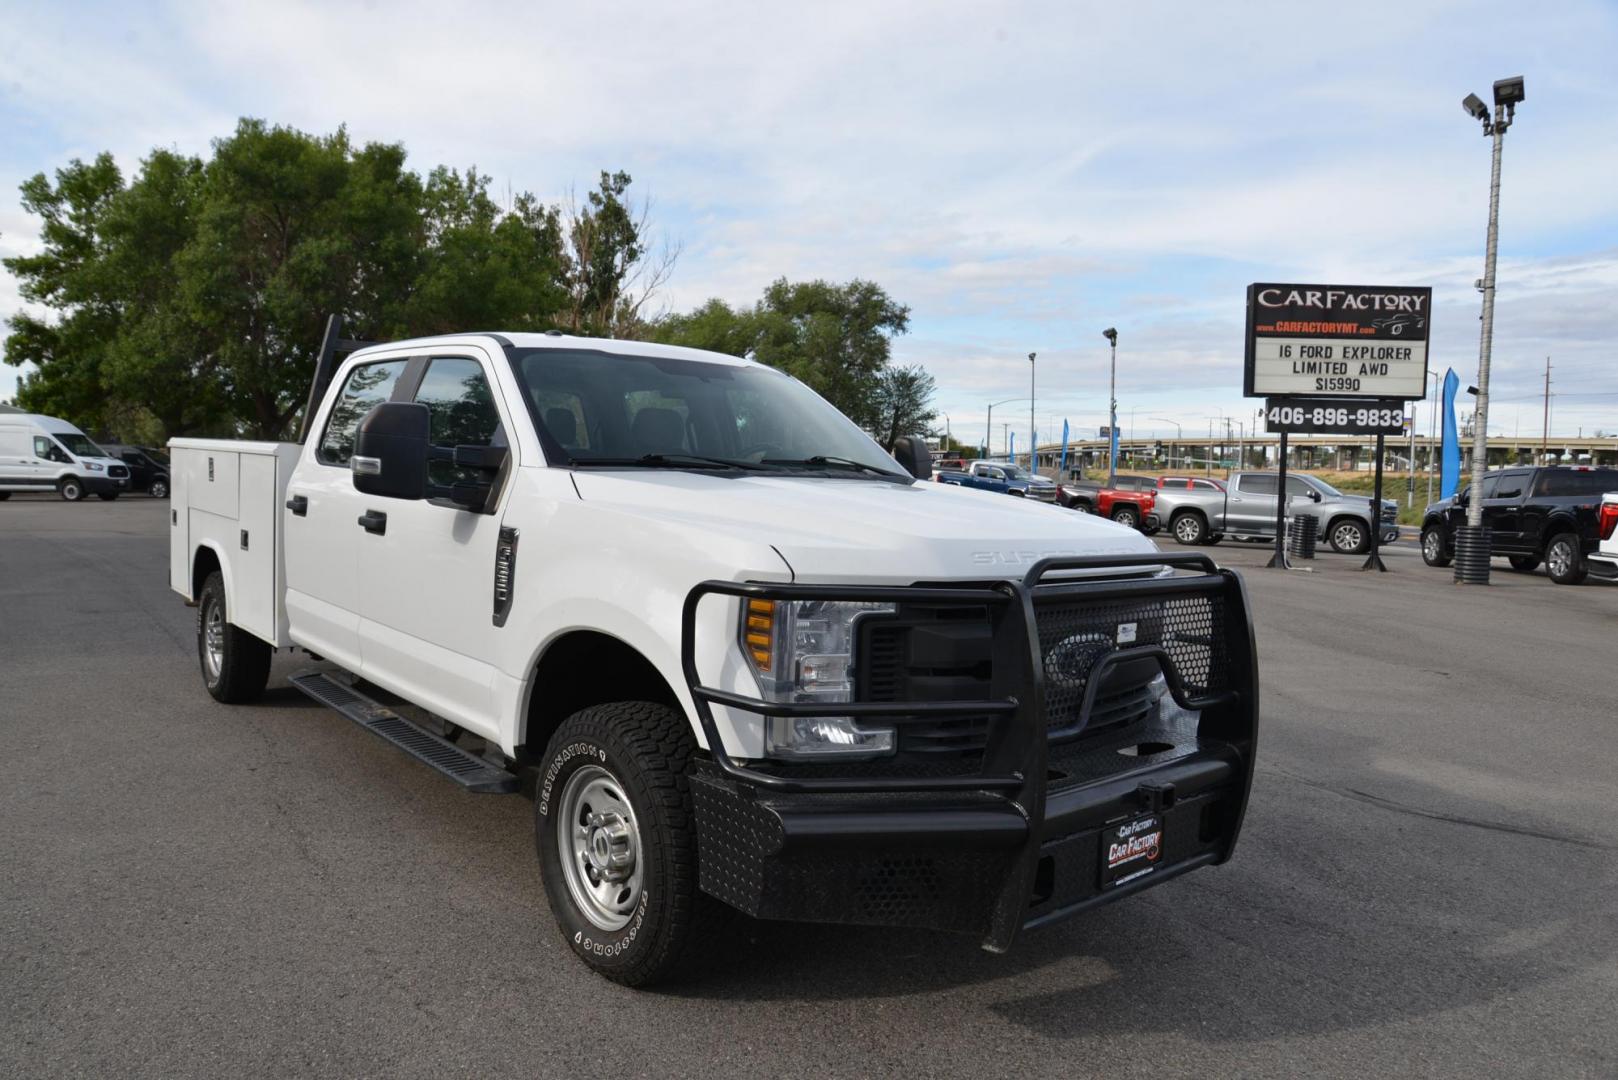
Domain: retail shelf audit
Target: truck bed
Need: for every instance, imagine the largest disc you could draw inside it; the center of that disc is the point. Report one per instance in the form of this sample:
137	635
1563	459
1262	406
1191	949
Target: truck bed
226	496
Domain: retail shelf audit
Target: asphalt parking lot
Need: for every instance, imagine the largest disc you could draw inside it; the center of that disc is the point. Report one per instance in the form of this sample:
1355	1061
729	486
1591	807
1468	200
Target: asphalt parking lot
1425	886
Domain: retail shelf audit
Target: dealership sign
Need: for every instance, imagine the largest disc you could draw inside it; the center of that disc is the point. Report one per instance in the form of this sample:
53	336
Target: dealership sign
1364	341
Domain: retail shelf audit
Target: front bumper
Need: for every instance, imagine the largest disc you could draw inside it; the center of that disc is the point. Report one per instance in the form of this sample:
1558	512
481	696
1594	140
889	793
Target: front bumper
106	485
1019	837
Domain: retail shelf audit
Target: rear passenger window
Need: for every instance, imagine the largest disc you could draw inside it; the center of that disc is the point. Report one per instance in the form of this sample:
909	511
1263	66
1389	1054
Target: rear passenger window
463	413
368	385
1257	485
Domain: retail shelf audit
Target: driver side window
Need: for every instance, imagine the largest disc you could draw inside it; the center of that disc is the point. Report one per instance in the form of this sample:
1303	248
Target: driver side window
47	449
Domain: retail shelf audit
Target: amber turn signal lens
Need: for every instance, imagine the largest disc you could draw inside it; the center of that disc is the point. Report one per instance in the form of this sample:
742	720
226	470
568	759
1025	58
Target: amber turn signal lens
760	632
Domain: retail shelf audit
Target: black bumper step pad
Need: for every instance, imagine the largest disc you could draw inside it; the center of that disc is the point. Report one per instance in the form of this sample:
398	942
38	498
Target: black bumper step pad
466	769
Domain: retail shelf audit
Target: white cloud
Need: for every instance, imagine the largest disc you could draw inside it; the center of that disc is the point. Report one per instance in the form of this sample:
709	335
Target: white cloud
1020	174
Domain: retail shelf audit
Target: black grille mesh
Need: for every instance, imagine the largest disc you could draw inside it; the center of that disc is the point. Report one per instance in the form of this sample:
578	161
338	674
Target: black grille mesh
1074	637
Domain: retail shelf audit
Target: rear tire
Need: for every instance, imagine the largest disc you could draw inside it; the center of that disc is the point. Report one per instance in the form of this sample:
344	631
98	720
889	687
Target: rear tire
71	489
1083	507
4	495
1189	528
615	798
1126	515
1432	548
1214	539
235	664
106	496
1523	564
1564	561
159	489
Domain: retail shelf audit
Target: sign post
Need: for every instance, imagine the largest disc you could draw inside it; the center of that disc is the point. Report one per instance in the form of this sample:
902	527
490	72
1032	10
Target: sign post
1336	359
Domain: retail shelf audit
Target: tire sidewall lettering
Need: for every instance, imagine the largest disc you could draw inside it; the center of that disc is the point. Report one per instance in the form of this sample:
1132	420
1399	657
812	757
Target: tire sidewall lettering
563	758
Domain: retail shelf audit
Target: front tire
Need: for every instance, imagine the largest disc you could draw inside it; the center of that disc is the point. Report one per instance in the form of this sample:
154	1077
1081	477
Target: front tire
1432	548
1349	536
1126	515
71	489
235	664
617	841
1189	528
1083	507
1564	562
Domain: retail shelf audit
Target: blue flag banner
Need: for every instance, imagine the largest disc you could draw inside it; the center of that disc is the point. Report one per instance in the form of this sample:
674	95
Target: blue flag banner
1011	448
1449	475
1114	458
1061	467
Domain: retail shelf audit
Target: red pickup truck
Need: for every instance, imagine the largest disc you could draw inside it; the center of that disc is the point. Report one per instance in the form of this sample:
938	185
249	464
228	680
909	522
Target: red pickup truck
1129	500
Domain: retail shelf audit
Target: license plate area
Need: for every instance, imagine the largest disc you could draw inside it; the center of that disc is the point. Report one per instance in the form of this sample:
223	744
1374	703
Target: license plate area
1131	849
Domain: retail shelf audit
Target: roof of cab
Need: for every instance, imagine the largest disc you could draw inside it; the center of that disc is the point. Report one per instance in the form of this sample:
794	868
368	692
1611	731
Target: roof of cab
569	342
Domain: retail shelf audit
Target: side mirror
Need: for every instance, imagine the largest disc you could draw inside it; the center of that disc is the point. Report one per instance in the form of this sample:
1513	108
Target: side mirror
1314	495
911	452
1461	497
390	451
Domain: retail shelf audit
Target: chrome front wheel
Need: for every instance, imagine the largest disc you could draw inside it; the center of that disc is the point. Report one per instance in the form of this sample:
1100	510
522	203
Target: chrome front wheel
599	839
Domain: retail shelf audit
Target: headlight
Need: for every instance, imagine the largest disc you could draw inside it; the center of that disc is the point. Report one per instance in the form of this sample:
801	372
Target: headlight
803	651
93	467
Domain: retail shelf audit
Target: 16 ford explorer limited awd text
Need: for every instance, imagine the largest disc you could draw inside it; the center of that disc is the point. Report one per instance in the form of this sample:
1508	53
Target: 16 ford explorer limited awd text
746	658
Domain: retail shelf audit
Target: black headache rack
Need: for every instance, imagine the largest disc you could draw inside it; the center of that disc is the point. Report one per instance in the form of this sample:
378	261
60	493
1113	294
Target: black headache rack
1009	831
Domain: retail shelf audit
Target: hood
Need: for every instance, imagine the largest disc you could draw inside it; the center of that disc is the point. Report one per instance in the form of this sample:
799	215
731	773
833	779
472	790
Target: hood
848	530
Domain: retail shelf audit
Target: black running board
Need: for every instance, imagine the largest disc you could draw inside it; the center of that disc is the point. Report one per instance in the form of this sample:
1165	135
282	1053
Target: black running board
468	770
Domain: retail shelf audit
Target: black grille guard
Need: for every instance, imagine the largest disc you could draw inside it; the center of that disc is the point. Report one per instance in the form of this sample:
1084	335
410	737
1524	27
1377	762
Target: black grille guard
1014	762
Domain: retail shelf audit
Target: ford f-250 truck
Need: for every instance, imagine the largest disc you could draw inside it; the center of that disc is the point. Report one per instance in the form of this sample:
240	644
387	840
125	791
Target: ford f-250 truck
1246	507
744	656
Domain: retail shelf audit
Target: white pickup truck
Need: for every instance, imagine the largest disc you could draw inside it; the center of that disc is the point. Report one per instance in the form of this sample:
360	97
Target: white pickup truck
736	652
1603	562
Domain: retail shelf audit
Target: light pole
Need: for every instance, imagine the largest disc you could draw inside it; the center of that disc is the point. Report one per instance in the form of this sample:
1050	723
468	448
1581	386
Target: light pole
1111	334
988	432
1178	435
1033	459
1508	93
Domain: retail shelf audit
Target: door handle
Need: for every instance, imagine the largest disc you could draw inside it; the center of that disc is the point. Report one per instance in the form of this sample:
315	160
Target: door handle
299	505
374	521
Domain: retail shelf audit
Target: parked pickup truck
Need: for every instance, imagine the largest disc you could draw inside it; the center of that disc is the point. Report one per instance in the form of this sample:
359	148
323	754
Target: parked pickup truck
1604	563
1247	505
742	655
1547	514
1002	477
1129	500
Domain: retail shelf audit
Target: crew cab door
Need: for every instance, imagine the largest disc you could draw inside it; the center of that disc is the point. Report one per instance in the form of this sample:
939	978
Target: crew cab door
1250	508
426	573
1503	509
321	537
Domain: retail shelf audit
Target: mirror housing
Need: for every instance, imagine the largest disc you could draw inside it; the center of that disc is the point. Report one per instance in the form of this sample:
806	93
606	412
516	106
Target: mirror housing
1314	496
911	452
390	451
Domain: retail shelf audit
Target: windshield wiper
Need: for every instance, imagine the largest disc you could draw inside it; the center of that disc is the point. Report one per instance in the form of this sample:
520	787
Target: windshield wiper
672	461
825	461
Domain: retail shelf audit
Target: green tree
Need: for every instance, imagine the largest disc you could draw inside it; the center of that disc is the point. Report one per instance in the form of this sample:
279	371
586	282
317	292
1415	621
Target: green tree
69	276
192	300
903	404
609	268
835	338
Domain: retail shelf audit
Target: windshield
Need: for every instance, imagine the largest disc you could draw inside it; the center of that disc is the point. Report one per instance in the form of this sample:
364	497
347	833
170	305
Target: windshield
156	455
606	409
78	444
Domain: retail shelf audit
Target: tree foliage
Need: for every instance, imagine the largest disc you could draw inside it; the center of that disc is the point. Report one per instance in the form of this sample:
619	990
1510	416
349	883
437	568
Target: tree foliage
838	339
903	403
192	299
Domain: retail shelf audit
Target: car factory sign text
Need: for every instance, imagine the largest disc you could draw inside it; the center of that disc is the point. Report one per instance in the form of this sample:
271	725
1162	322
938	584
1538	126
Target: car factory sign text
1337	340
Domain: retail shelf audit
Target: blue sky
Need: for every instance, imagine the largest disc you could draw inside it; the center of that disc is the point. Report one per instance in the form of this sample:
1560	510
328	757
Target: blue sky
1021	175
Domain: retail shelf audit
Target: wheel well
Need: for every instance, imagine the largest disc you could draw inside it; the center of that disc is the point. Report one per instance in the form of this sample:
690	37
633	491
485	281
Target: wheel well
587	668
203	563
1558	526
1340	518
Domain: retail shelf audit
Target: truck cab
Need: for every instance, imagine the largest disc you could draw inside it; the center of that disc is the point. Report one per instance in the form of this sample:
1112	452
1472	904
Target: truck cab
747	659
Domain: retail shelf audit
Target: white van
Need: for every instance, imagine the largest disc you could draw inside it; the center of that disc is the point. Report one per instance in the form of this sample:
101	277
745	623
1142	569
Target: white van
42	453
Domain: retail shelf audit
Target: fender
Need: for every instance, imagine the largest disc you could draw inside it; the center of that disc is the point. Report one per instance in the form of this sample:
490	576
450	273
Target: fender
194	587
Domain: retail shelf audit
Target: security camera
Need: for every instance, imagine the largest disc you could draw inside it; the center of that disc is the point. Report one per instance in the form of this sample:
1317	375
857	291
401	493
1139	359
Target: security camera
1474	105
